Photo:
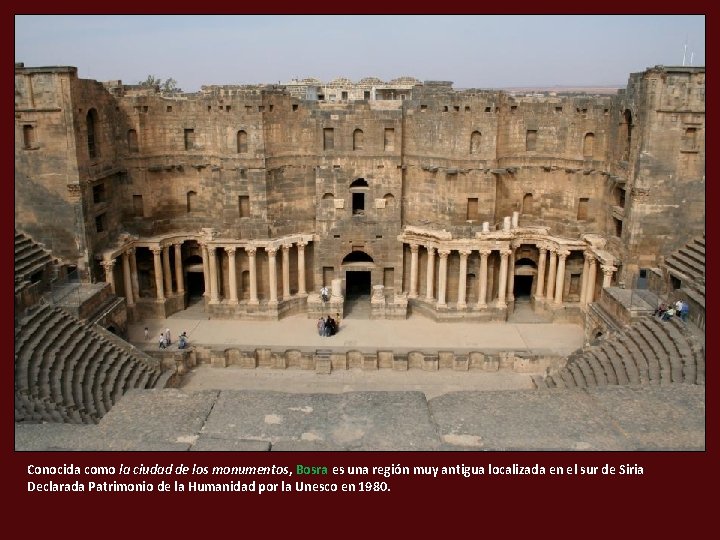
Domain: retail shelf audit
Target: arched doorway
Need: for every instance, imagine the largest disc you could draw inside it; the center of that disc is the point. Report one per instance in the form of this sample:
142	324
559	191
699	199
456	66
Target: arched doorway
195	280
358	267
525	272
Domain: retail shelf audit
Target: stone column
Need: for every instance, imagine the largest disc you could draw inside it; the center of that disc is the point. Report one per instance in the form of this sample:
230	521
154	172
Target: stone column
301	267
541	273
157	265
583	284
502	288
511	276
133	274
253	274
442	277
214	299
232	274
590	293
179	269
206	269
413	271
430	273
286	271
607	271
462	281
482	295
272	271
166	270
109	275
560	280
551	275
128	280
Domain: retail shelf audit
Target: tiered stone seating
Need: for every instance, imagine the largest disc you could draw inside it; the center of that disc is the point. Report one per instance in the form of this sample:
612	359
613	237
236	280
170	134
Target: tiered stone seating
29	257
649	352
688	265
65	371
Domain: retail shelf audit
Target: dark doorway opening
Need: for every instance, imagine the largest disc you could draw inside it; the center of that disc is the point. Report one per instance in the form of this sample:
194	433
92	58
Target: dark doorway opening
358	203
357	283
195	284
523	287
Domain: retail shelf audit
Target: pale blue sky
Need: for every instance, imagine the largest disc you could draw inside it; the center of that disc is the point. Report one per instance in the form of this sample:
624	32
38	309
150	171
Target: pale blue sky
473	51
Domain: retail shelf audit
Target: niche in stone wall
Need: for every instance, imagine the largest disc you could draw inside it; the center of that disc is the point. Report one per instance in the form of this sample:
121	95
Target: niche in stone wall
358	139
389	142
527	204
588	145
132	141
242	147
191	201
582	211
28	136
531	140
92	122
475	140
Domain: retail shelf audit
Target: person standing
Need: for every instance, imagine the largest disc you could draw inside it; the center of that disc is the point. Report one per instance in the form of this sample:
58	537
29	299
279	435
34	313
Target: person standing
321	327
147	334
167	337
337	322
163	342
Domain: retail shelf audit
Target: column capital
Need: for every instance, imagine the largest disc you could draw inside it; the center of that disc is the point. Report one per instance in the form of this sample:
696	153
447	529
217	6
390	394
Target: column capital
231	249
271	250
589	256
485	251
542	245
302	243
130	251
552	249
414	248
607	269
211	249
443	253
286	248
431	250
251	250
108	263
505	252
465	252
157	250
563	253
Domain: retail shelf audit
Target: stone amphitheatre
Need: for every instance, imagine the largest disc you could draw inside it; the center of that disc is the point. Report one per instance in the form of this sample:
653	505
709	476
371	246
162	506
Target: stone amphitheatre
495	257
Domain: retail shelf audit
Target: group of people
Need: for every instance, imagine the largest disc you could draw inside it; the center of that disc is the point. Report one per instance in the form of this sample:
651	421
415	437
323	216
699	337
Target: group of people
165	340
679	309
327	326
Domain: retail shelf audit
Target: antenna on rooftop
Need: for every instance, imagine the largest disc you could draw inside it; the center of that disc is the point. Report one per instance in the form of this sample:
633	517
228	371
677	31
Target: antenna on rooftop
692	54
684	51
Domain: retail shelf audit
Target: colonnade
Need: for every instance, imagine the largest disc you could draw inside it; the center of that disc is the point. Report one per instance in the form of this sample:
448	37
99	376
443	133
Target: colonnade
210	253
549	291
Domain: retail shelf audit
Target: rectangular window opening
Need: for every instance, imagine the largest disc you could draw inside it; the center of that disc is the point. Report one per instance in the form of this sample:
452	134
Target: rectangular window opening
244	206
472	209
582	212
189	139
138	205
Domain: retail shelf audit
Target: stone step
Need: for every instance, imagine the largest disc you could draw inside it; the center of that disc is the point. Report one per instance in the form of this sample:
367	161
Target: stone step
577	375
659	329
616	362
587	371
606	364
638	358
627	360
597	369
682	257
651	362
694	253
681	271
658	347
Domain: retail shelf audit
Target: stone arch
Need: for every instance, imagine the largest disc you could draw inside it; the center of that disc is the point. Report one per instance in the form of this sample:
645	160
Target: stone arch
357	256
328	196
359	183
389	199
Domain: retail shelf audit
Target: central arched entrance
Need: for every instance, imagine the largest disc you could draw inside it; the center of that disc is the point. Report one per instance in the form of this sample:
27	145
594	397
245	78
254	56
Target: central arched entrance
358	267
525	271
195	278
